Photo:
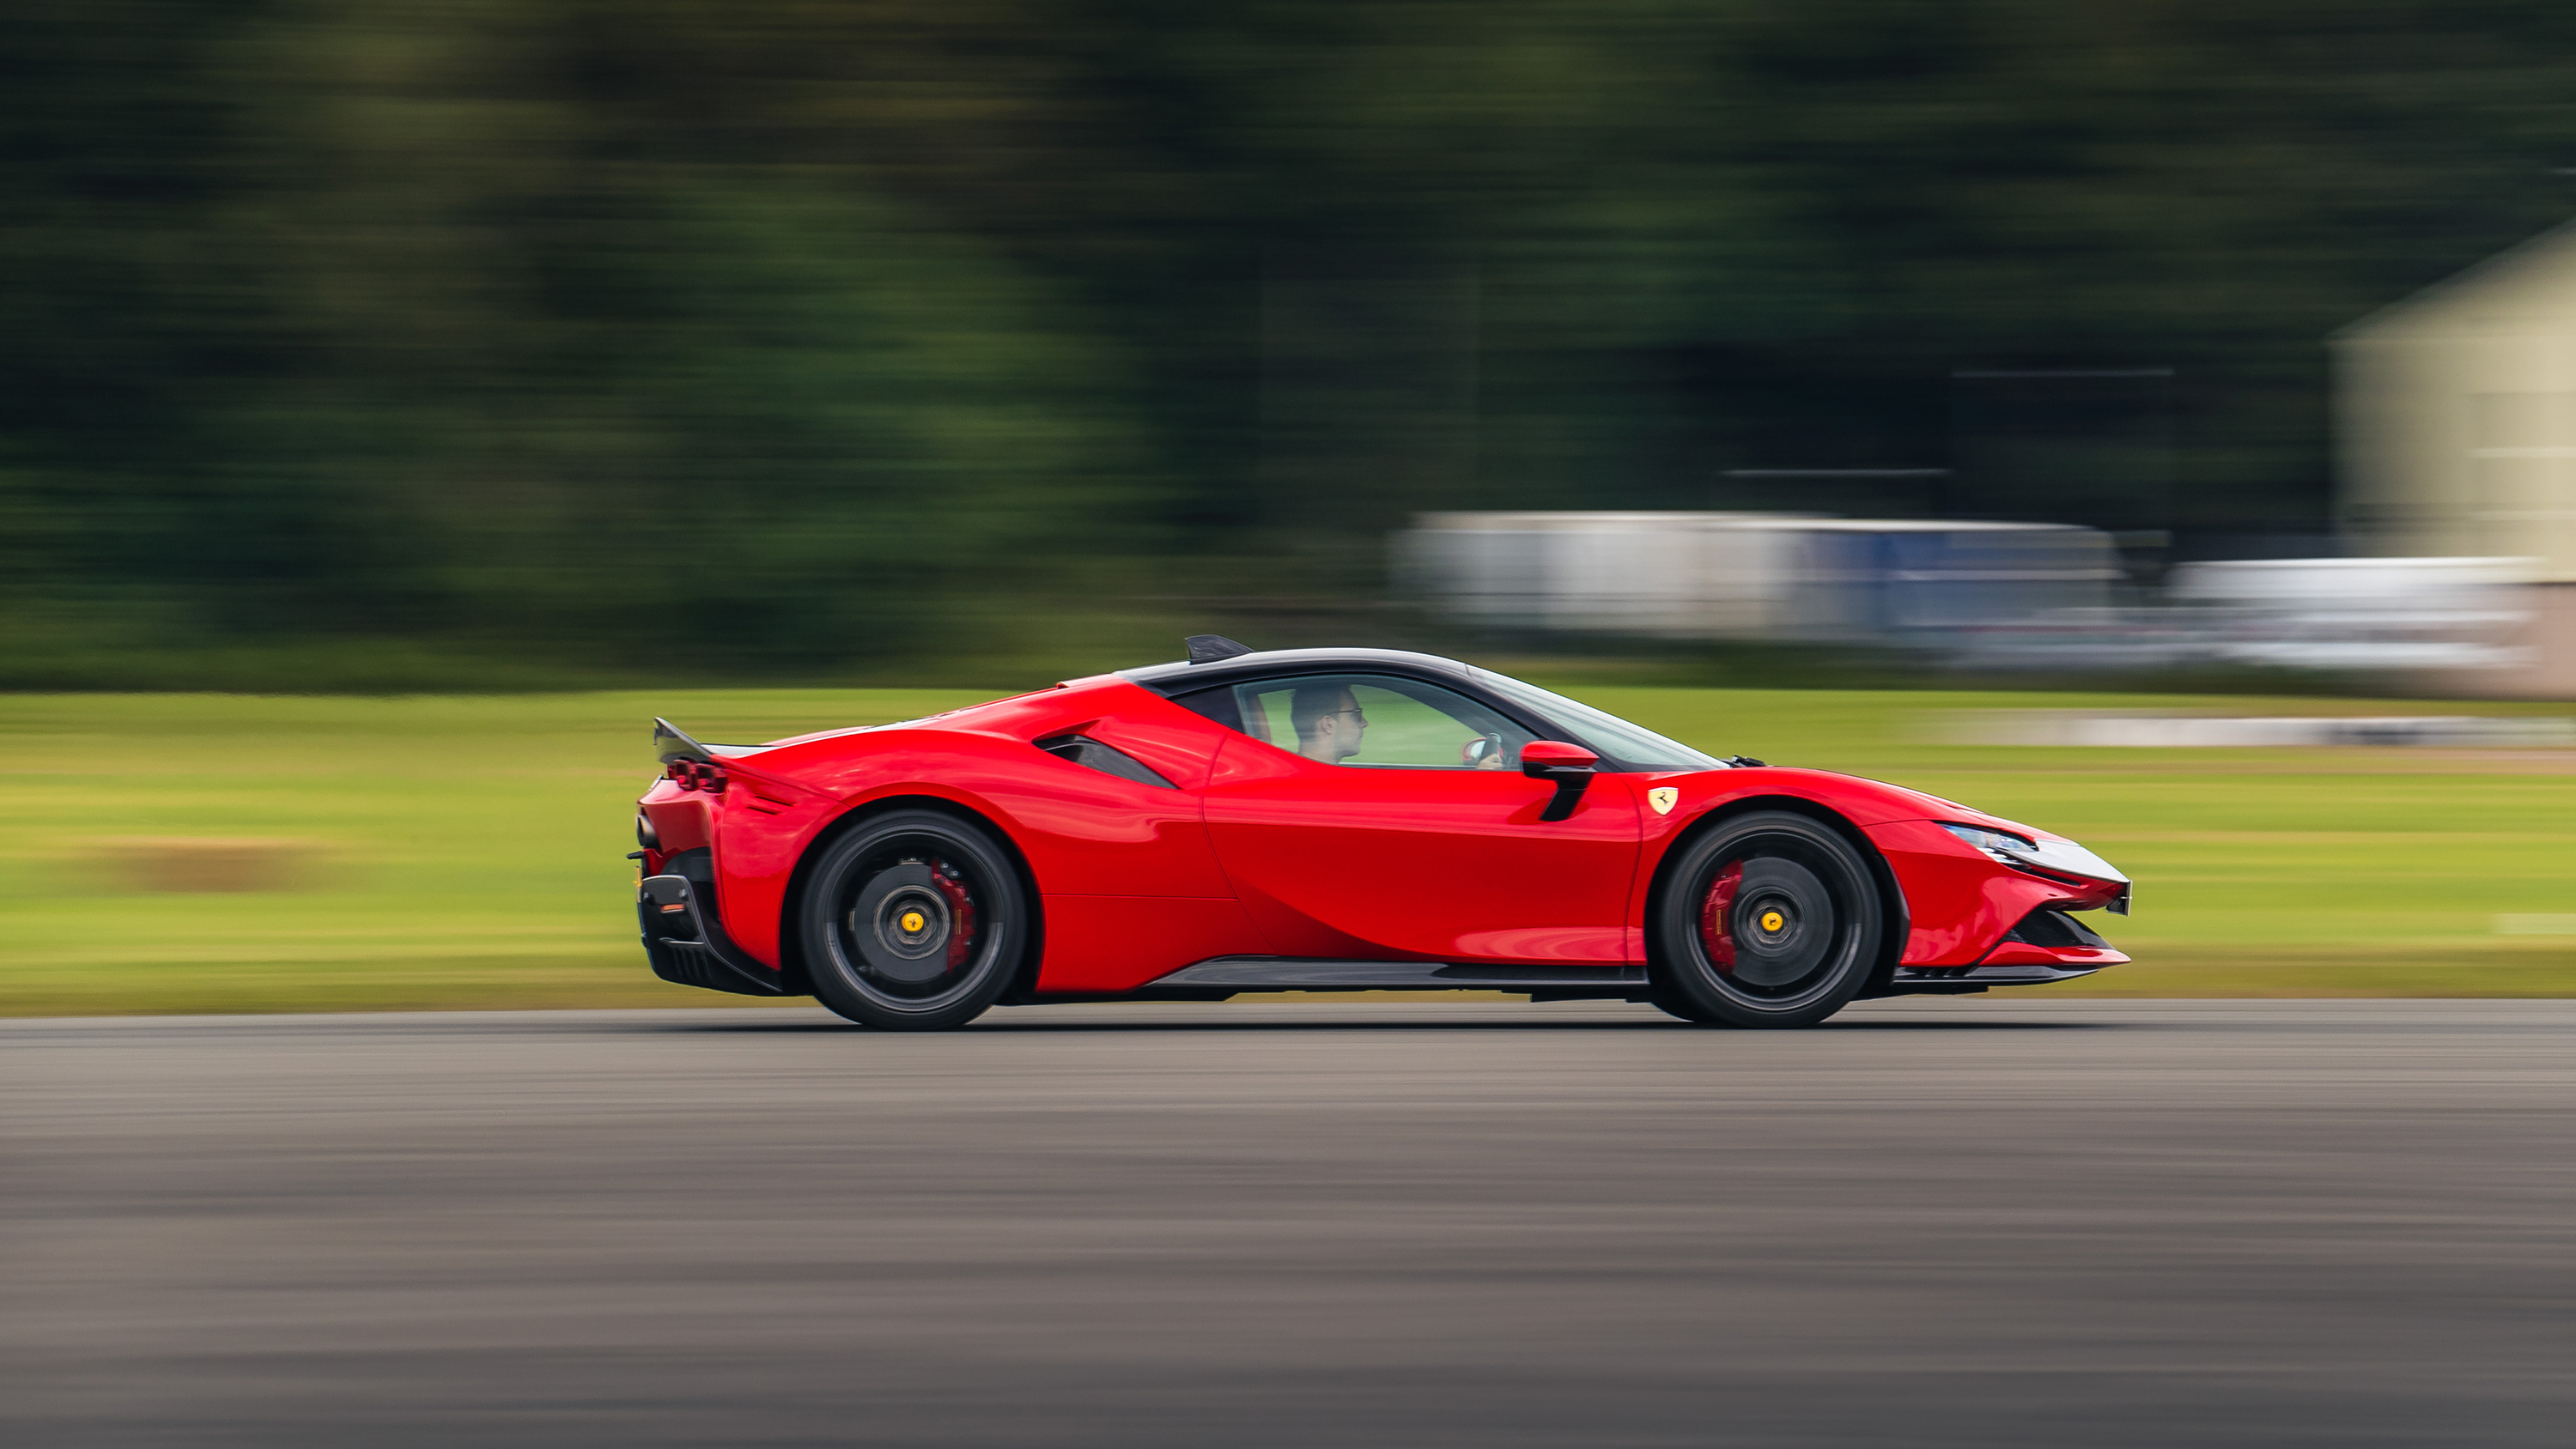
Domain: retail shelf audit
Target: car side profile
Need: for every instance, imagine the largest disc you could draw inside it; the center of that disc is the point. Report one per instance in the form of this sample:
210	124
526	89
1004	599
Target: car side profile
1329	820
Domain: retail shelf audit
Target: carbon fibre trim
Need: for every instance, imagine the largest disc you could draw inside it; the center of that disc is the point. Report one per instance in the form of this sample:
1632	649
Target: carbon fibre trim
688	947
2013	975
1290	973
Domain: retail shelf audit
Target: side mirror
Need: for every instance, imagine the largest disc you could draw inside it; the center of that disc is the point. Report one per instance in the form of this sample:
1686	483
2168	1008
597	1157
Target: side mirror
1568	767
1545	759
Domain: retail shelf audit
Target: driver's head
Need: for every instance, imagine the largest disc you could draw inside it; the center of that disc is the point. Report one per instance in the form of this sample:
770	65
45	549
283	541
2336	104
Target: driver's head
1328	722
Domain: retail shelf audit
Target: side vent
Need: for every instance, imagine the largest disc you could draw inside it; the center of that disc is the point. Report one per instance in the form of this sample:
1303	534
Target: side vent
1085	751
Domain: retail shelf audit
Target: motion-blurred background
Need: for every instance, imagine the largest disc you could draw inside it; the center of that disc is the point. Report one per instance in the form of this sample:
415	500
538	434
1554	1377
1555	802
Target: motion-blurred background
463	348
447	342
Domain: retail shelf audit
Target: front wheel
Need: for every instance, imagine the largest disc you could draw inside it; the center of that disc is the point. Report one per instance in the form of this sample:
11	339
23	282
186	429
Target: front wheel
914	921
1770	920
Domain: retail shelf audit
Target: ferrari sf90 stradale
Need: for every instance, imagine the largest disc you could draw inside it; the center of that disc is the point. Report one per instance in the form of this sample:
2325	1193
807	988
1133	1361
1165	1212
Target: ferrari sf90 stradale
1329	820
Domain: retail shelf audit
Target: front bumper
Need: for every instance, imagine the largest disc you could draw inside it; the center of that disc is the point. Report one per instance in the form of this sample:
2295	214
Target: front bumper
1966	905
2046	946
1961	980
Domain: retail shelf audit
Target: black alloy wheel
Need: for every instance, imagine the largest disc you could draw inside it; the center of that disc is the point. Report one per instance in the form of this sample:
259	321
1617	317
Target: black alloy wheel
914	921
1770	920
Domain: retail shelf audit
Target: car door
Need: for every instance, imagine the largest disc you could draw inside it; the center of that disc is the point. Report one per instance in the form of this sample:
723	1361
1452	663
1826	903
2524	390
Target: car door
1423	841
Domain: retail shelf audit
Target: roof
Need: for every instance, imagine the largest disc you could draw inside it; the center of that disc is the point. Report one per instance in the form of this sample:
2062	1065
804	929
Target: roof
1166	676
2533	265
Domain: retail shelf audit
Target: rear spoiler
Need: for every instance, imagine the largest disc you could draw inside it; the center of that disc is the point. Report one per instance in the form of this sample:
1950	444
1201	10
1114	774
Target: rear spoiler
693	765
670	744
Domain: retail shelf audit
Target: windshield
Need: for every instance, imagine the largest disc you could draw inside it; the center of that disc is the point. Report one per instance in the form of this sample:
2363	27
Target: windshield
1604	733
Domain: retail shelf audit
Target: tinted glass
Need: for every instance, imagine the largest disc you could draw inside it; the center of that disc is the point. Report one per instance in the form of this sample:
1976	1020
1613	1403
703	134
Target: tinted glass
1375	720
1599	730
1216	702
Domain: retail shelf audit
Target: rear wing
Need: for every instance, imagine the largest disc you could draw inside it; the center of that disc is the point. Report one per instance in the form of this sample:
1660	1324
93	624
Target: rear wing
695	766
671	744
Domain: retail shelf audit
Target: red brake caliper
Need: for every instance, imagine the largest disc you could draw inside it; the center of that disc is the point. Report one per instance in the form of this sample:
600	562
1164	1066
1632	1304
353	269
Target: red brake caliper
961	906
1712	916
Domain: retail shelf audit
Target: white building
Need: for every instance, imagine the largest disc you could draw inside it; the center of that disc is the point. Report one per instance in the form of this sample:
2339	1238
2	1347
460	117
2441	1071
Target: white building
2456	424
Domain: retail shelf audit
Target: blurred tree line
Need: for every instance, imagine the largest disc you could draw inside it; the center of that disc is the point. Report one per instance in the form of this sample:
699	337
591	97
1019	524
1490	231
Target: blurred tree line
433	340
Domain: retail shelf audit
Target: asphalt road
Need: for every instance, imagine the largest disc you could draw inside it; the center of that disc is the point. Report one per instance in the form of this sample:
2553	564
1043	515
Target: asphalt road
1959	1222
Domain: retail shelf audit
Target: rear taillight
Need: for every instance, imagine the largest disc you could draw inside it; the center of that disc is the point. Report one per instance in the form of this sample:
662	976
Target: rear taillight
697	775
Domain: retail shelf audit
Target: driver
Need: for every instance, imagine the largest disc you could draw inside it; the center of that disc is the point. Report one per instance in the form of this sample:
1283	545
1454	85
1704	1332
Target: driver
1328	722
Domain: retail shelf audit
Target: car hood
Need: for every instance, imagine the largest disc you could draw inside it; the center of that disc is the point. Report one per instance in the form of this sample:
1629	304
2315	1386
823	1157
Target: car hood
1861	800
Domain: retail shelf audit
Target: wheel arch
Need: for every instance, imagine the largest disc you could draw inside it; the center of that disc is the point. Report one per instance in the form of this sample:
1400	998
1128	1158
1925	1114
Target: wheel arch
1891	892
791	940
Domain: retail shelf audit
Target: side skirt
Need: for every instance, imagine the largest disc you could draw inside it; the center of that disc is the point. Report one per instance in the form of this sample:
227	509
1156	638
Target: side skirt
1293	973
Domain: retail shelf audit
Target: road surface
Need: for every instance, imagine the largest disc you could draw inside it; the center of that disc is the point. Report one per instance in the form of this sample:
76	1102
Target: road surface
1957	1222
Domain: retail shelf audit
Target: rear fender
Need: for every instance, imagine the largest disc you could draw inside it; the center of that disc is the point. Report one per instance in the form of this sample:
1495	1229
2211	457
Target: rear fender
791	944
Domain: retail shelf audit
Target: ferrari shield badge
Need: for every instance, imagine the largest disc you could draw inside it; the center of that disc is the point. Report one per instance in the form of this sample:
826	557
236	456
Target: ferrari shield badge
1663	798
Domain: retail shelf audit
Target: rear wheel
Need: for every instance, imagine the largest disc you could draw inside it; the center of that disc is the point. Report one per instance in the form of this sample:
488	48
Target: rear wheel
1771	920
914	921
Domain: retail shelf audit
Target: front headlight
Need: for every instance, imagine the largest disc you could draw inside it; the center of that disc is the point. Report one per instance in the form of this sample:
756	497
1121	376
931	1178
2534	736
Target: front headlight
2060	858
1990	841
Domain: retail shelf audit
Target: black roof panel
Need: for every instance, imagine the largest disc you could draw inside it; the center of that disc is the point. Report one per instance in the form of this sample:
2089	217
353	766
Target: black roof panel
1177	677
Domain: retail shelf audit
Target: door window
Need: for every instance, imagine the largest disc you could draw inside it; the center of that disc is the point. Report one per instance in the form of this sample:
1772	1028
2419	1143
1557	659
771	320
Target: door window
1378	721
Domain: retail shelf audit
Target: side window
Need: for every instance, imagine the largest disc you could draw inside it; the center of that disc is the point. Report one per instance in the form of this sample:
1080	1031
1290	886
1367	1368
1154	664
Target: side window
1373	720
1216	702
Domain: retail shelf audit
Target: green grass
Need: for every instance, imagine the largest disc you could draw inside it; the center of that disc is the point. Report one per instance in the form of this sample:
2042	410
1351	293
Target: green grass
467	851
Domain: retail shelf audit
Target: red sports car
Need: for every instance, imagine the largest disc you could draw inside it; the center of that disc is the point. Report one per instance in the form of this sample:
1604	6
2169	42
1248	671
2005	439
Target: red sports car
1329	820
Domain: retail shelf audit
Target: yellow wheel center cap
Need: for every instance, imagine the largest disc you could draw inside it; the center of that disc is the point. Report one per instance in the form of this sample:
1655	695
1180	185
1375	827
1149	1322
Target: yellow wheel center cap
1773	920
913	921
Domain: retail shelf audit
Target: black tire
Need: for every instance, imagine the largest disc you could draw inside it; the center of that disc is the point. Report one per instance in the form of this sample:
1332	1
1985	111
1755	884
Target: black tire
914	921
1769	920
1671	1005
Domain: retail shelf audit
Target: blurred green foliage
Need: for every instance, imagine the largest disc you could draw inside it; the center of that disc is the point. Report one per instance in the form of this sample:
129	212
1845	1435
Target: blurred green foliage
443	341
